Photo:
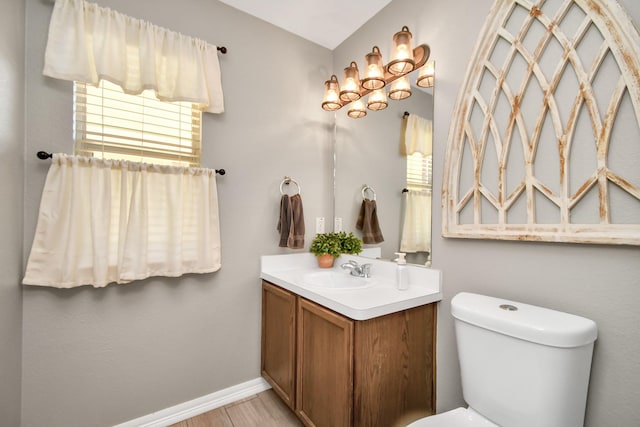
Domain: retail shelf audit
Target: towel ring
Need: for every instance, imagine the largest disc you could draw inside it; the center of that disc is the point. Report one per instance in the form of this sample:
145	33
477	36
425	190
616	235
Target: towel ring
366	188
287	180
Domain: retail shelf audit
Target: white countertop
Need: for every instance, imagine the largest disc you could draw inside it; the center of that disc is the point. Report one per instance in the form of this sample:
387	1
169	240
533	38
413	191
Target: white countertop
379	298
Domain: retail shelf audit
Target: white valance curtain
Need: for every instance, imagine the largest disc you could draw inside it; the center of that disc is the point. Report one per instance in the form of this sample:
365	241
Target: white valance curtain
87	43
416	135
416	230
104	221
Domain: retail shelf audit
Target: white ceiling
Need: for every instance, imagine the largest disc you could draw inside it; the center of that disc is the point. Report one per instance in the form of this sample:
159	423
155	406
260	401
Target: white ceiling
325	22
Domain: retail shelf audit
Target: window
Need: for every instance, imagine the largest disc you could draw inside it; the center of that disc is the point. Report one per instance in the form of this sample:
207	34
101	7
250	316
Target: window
111	124
419	172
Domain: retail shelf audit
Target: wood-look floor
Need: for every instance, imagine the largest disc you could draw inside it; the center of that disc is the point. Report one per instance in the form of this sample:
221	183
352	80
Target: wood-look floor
264	409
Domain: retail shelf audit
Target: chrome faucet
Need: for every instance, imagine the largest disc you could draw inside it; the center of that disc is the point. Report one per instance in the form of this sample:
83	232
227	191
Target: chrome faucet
363	270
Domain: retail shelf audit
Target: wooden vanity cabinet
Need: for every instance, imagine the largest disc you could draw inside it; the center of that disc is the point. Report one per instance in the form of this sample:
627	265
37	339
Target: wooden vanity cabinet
278	364
394	375
324	383
344	372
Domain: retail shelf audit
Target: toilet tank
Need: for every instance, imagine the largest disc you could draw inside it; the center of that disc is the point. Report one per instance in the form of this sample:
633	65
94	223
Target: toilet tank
522	365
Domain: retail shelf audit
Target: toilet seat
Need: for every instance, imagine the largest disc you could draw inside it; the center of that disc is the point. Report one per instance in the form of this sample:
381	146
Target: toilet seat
459	417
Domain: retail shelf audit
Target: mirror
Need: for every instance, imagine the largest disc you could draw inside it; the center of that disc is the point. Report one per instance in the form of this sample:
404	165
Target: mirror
367	152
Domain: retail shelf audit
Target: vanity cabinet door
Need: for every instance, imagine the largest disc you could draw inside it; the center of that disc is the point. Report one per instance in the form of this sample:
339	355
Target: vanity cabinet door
394	378
324	389
278	341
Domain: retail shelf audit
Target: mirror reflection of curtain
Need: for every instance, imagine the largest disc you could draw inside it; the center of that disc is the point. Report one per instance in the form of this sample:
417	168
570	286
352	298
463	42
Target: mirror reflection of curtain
416	144
415	135
416	230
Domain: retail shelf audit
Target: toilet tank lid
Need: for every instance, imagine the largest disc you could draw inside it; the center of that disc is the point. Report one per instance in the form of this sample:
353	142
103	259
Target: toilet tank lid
528	322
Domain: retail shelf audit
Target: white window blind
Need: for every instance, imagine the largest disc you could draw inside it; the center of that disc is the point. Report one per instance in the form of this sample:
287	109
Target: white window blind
419	172
113	125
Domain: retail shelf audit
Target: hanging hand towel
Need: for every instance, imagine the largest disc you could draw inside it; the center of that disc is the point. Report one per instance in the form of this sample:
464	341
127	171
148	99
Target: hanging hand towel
296	229
284	222
291	222
368	222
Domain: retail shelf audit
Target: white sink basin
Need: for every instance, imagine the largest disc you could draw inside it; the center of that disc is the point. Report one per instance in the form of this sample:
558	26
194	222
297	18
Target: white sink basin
332	279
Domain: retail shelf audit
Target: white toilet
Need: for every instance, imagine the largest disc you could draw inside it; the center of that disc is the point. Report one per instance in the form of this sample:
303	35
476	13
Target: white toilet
521	365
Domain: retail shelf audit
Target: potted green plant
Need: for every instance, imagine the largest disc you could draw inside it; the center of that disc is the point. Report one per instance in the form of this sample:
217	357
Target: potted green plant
328	246
349	244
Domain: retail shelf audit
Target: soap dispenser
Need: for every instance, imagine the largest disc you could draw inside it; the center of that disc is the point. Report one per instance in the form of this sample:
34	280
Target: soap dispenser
402	274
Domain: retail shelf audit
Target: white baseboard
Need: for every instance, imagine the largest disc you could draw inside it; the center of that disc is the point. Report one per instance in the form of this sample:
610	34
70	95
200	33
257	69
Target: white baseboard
198	406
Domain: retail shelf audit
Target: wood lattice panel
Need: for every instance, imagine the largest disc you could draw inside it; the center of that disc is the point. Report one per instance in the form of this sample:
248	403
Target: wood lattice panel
545	140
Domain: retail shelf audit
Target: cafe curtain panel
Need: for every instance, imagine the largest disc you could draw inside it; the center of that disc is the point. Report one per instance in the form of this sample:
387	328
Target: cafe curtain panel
88	43
416	135
416	229
104	221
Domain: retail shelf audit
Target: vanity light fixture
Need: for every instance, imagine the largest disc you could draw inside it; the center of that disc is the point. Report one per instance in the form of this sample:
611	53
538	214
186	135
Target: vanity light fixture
331	99
356	109
404	60
426	75
374	77
350	90
377	100
400	89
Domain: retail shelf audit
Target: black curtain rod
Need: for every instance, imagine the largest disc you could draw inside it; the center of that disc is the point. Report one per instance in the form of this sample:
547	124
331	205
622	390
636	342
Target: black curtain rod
222	49
43	155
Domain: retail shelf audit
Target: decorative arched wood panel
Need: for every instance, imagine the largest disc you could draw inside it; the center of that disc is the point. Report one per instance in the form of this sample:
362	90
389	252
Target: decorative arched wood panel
545	138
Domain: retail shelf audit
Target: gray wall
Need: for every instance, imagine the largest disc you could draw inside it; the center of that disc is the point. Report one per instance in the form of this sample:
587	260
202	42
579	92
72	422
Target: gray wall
97	357
598	282
11	194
